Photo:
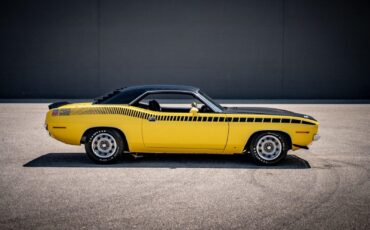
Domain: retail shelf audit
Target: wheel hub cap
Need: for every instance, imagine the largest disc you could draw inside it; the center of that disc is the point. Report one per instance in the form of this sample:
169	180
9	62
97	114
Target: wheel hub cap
269	147
104	145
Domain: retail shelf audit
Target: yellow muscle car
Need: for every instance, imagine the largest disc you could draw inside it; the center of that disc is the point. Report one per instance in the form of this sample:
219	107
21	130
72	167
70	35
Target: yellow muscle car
176	119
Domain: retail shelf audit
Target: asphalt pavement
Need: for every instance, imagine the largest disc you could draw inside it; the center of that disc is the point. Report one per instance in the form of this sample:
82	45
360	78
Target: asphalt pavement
46	184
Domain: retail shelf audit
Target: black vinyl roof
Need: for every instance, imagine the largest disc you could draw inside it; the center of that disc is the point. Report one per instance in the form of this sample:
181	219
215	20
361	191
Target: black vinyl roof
128	94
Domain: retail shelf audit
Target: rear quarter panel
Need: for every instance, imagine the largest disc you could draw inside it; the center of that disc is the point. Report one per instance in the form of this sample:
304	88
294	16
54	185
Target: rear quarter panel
70	128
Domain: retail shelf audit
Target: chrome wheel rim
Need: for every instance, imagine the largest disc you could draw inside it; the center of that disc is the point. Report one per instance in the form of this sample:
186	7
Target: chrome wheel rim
104	145
269	147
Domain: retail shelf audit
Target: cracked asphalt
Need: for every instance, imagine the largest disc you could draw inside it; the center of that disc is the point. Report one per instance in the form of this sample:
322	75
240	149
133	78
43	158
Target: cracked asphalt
46	184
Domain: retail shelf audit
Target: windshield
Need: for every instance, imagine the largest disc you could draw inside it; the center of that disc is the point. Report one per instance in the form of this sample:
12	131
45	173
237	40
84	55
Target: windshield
211	100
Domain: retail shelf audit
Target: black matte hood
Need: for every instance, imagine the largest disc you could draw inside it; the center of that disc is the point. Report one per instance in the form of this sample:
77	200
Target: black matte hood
265	111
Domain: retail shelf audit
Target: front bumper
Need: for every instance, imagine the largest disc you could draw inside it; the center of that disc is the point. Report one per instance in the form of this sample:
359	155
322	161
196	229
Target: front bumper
316	137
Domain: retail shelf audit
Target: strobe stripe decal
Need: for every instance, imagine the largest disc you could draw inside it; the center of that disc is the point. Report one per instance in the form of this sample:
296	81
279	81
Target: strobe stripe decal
180	118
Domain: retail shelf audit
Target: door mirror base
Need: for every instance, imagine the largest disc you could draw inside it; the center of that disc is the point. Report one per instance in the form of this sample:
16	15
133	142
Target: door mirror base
194	111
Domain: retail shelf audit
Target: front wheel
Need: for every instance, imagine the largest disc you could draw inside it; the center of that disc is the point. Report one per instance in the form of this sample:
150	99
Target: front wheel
104	146
268	148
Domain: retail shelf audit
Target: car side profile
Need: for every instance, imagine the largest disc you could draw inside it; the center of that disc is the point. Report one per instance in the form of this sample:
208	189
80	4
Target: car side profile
177	119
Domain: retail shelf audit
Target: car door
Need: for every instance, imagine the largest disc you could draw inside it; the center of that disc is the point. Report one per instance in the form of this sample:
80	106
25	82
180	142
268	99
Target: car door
185	131
181	129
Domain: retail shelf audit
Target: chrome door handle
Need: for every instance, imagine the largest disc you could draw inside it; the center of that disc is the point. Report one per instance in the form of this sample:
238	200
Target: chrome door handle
151	119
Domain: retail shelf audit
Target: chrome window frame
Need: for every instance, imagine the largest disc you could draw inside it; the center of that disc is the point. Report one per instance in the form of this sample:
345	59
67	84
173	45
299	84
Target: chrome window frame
195	94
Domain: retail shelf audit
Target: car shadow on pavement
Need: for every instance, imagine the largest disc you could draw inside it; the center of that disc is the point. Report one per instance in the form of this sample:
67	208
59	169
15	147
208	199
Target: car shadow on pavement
165	161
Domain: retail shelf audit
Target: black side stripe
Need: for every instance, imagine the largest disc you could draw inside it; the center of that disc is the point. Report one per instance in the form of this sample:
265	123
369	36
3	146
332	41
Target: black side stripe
181	118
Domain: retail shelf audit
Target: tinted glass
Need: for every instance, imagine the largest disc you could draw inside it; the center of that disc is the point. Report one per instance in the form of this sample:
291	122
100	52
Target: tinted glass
178	100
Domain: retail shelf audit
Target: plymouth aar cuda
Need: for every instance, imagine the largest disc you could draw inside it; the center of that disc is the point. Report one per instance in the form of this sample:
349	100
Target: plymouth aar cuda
143	119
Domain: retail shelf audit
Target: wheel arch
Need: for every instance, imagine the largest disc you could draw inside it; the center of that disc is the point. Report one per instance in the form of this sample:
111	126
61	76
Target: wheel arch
93	129
288	137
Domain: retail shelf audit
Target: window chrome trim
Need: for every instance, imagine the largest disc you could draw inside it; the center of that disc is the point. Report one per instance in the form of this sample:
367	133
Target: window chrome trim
195	94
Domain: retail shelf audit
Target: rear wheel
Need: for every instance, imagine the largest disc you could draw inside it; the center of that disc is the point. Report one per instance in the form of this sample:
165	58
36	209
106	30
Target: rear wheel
104	146
268	148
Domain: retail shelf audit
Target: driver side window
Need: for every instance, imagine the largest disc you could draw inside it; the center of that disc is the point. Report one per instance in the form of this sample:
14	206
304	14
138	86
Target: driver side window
171	102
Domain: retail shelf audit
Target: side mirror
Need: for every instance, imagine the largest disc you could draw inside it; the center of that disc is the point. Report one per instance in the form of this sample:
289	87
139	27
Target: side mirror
194	111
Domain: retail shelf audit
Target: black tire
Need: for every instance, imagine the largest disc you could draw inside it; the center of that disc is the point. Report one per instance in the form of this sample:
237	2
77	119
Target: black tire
278	142
112	139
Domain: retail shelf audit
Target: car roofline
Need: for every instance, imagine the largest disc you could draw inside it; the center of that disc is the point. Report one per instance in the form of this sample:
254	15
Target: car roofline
161	87
138	90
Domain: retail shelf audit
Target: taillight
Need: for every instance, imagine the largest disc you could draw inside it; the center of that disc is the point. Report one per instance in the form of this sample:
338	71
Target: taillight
55	112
